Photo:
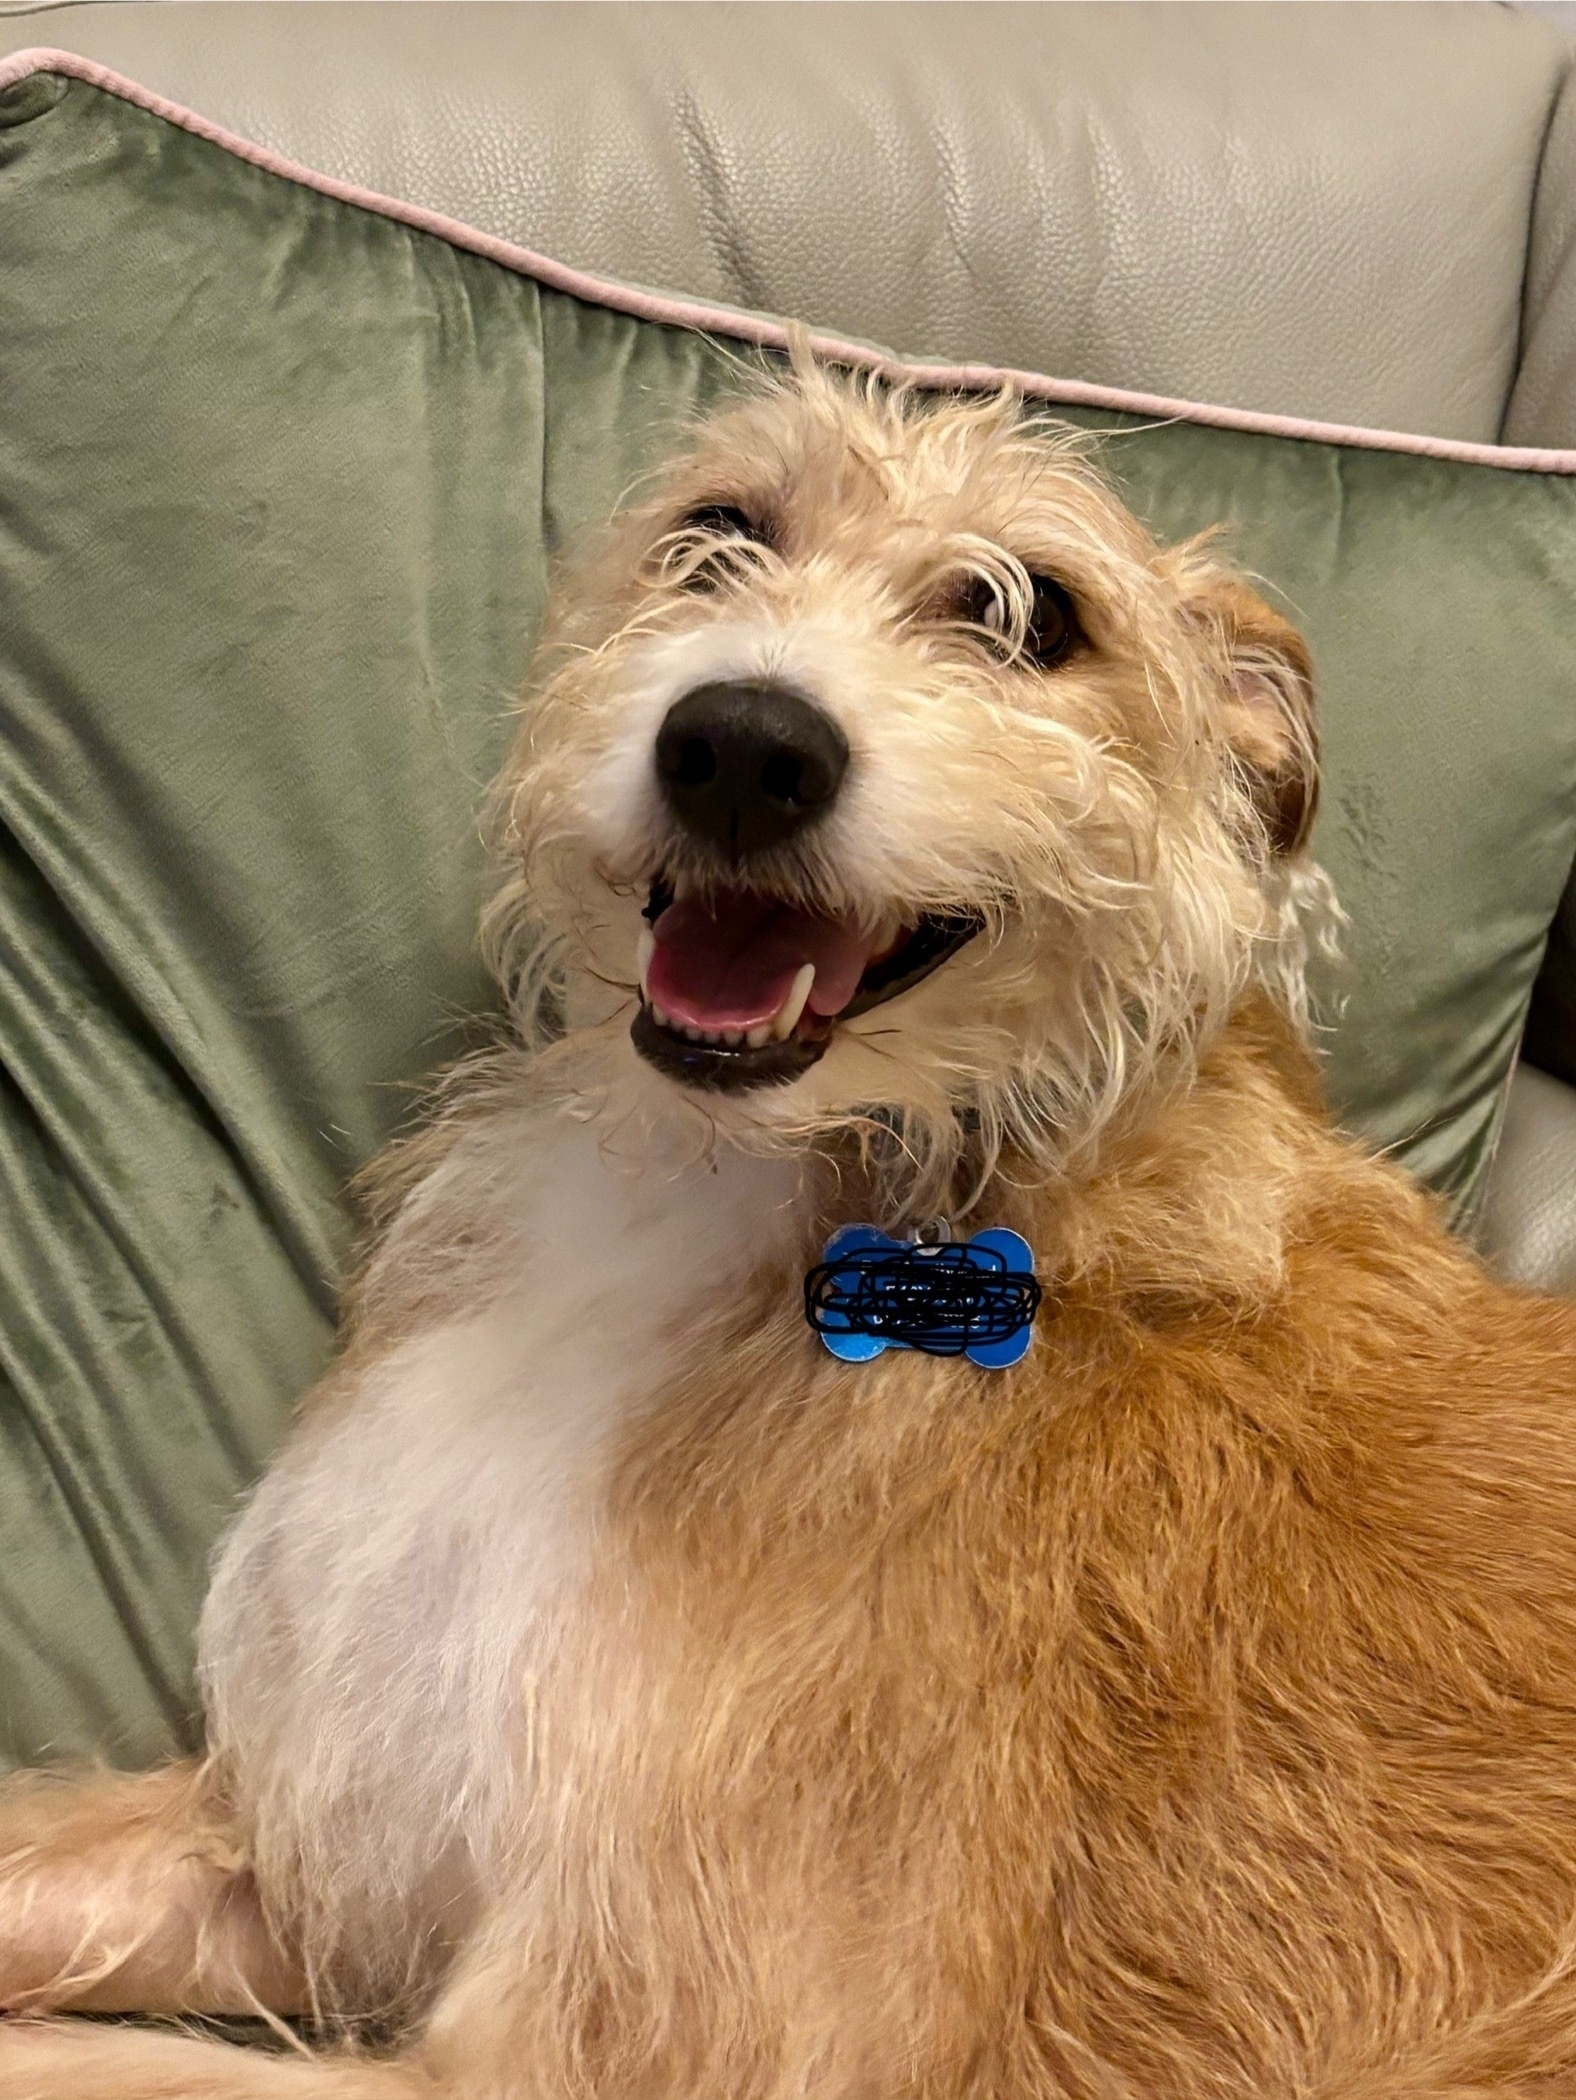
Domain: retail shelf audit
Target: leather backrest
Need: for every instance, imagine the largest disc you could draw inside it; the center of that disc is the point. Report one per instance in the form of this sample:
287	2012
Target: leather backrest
1543	406
1321	210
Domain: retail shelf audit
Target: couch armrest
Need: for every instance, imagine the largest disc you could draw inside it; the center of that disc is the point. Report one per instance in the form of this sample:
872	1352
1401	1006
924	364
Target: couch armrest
1528	1226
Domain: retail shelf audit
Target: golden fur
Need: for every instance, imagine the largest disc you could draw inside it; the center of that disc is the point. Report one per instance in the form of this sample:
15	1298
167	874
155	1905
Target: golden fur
1187	1714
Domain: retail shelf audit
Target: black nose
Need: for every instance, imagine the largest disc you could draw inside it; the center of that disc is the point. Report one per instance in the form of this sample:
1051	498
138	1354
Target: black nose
744	766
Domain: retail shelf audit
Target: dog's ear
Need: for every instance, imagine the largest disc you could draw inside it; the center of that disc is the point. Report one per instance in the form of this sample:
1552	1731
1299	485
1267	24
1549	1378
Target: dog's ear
1269	711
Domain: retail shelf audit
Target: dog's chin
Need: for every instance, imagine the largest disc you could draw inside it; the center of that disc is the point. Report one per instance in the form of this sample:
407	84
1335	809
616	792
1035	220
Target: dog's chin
723	1067
723	1052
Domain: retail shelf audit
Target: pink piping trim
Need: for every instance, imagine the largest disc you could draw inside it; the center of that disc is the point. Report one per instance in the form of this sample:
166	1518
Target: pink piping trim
752	328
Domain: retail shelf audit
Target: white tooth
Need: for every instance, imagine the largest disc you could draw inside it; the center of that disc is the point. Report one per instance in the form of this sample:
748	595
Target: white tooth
696	1035
792	1007
660	1017
758	1036
733	1036
645	948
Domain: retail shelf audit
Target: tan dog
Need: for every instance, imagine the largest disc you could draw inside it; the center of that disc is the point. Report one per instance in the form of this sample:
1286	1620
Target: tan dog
626	1699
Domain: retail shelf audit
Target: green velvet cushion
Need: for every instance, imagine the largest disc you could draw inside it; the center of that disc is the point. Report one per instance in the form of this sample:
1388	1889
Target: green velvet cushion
280	479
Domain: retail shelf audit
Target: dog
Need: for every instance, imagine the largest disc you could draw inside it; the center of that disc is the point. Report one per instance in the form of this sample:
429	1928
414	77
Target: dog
612	1689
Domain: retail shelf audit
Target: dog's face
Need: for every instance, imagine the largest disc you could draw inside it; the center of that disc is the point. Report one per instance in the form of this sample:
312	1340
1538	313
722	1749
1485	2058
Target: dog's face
885	770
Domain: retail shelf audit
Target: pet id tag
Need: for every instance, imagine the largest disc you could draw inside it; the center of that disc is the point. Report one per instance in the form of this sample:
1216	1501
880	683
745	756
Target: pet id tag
975	1298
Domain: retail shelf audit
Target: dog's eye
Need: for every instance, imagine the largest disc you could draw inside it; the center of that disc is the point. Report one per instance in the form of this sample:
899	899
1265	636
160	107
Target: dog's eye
981	604
723	530
1053	623
725	521
1052	632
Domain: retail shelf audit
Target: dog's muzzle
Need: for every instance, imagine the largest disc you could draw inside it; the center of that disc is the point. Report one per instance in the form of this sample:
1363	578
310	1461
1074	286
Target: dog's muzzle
739	987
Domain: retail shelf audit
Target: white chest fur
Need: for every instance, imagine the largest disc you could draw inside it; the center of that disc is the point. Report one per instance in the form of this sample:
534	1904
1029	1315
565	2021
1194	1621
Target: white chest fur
382	1607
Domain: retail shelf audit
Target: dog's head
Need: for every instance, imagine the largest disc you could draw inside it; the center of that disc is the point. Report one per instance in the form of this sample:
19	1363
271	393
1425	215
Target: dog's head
884	773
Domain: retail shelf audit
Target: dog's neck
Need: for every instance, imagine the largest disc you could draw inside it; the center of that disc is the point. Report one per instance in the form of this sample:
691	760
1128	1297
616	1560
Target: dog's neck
1186	1196
1198	1201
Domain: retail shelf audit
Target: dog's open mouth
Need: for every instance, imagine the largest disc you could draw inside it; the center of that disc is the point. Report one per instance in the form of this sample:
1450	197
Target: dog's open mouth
742	989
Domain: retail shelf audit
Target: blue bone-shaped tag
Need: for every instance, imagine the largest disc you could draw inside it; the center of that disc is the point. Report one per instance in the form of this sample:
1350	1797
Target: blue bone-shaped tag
975	1298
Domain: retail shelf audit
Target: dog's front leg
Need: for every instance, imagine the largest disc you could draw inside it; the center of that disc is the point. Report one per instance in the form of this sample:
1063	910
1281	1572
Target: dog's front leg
124	1893
83	2060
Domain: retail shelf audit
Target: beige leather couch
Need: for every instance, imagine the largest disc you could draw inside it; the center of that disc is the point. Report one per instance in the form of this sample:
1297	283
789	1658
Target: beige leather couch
1364	213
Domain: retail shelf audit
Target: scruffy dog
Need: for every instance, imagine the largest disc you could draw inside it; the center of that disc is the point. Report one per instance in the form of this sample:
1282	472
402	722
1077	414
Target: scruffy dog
619	1696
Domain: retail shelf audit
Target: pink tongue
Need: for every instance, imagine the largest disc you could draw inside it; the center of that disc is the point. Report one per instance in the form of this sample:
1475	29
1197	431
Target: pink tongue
732	964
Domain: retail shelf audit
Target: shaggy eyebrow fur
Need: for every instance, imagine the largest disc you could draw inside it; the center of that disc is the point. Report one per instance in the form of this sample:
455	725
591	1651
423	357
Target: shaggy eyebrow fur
607	1693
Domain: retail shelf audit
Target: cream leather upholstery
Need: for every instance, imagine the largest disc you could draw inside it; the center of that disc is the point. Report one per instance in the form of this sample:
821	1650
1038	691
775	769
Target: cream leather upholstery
1542	407
1526	1229
1321	210
1361	212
